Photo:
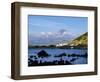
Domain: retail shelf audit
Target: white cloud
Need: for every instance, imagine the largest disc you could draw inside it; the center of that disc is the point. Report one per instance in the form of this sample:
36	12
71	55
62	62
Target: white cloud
65	33
43	33
50	33
51	37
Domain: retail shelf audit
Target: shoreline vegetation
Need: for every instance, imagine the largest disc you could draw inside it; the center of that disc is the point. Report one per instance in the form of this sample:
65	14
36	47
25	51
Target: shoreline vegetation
60	47
33	60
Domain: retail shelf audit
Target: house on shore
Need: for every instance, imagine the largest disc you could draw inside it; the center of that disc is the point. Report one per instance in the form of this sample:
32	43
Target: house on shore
61	44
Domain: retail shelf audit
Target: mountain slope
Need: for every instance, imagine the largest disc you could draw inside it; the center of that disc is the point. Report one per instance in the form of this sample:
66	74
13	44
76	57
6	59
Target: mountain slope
80	41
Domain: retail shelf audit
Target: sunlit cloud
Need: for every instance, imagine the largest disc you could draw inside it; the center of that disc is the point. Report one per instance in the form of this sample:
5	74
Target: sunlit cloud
51	37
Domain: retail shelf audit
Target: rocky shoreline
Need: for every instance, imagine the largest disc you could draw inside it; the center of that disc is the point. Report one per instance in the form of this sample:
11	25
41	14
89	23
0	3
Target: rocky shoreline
34	60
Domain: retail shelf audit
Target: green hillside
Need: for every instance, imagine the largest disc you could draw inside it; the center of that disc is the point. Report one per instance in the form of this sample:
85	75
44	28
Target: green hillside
80	41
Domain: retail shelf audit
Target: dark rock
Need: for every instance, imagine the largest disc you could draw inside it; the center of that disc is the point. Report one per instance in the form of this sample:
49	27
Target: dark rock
31	56
42	53
61	55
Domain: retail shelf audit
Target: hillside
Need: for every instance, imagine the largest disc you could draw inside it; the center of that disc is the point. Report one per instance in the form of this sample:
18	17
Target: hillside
80	41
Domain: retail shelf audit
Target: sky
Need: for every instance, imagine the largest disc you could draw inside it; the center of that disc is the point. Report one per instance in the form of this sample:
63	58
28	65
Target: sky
48	30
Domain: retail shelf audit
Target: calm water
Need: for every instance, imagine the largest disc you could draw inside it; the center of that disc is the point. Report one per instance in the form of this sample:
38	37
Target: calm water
55	51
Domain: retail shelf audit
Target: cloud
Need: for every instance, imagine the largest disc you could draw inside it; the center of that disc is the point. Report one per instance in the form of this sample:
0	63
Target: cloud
43	33
50	37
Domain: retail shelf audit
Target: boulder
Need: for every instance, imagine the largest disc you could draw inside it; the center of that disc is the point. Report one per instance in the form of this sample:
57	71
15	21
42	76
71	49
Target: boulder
42	53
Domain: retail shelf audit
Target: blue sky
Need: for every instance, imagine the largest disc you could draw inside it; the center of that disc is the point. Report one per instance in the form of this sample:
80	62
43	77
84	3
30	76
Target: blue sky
54	29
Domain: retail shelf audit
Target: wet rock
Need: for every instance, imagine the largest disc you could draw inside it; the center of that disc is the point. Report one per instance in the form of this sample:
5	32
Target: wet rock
42	53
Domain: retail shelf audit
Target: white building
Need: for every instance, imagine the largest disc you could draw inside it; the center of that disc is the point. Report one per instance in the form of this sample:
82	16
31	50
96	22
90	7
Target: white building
61	44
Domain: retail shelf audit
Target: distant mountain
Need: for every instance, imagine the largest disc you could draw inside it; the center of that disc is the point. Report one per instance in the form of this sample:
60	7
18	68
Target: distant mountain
80	41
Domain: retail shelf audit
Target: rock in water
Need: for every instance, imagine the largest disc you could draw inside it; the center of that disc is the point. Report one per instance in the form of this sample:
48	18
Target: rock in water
42	53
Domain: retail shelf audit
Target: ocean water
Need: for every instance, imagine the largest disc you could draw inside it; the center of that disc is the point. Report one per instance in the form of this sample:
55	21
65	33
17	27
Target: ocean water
55	51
